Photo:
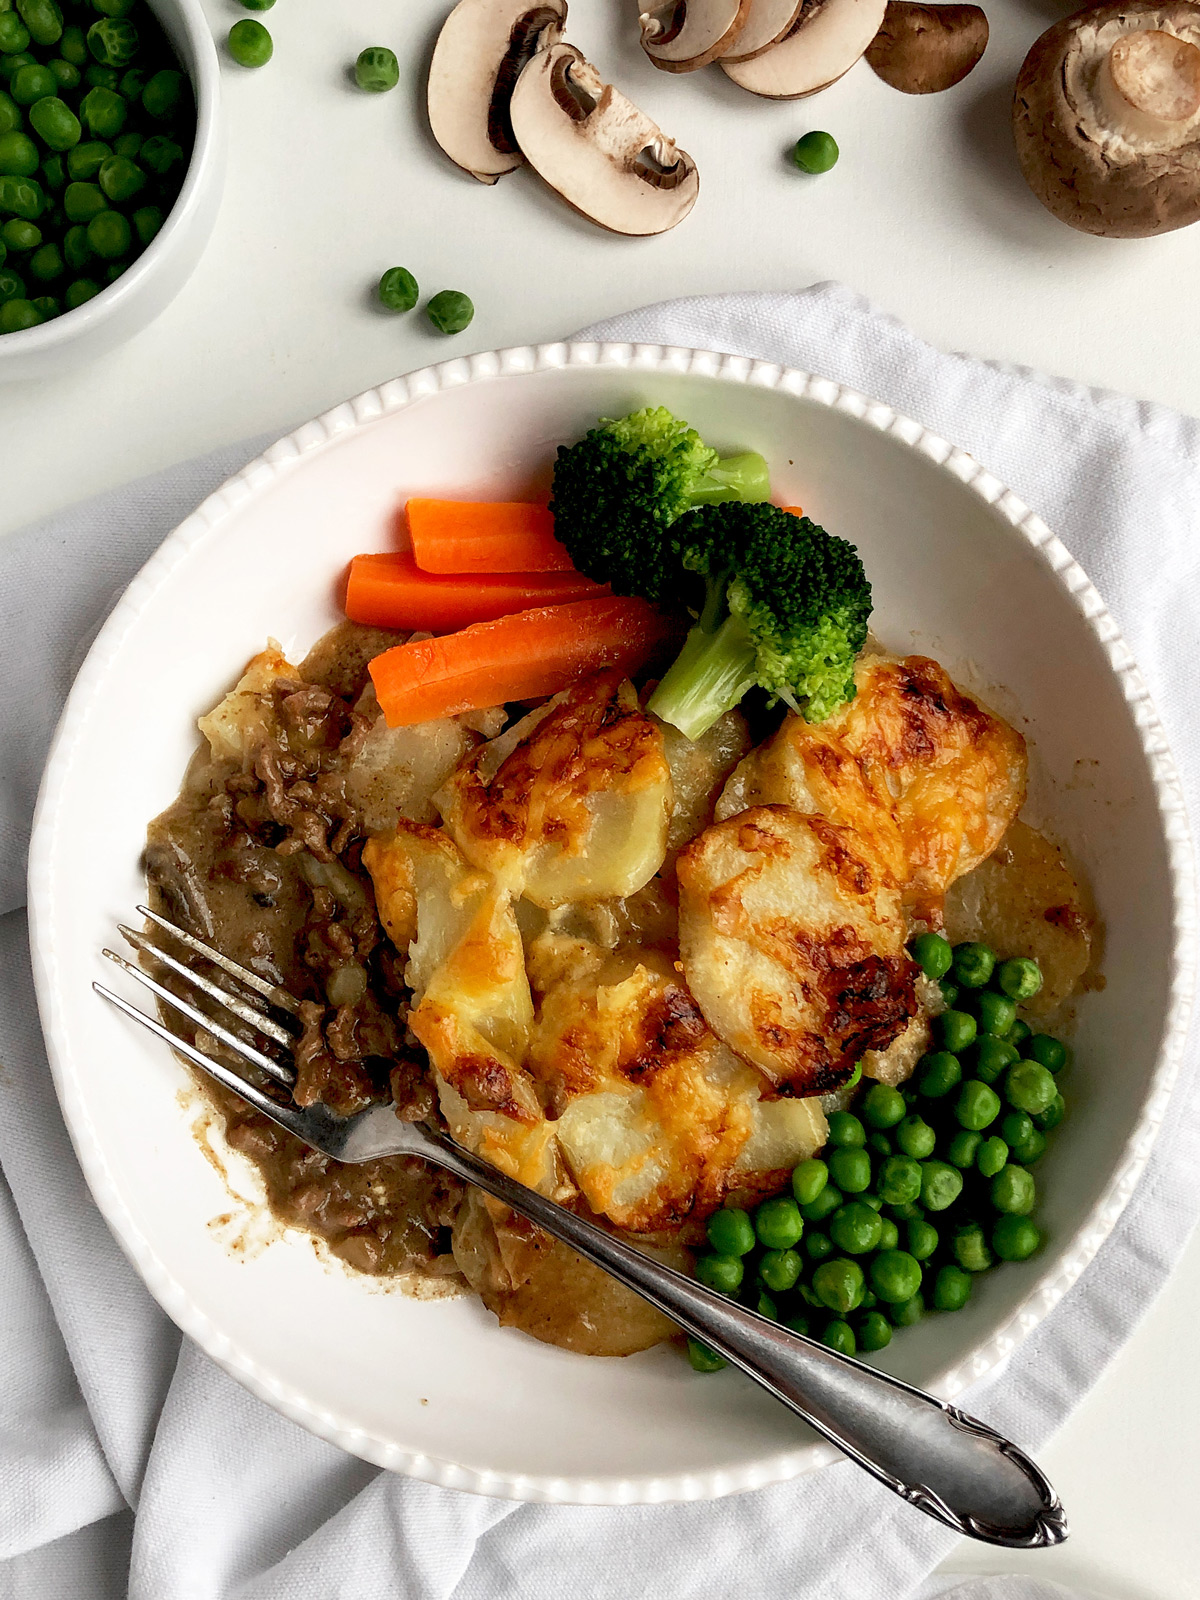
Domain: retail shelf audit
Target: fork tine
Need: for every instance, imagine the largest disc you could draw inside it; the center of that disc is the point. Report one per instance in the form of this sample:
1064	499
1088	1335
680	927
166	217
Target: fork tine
286	1116
269	991
248	1052
240	1008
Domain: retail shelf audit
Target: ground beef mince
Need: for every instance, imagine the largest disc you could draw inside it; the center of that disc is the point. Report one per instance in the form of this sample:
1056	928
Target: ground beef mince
263	859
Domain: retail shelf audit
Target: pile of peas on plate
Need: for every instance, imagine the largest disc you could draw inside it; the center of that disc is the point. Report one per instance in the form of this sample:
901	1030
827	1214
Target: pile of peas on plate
921	1187
96	128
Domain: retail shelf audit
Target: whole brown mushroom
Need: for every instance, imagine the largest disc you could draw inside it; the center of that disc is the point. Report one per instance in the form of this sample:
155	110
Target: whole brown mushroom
1107	118
923	49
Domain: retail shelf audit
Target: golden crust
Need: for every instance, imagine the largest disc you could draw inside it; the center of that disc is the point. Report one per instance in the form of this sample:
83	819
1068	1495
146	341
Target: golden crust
792	940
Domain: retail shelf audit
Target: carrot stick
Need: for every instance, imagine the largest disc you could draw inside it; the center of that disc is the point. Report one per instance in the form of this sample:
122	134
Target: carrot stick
474	536
391	591
519	657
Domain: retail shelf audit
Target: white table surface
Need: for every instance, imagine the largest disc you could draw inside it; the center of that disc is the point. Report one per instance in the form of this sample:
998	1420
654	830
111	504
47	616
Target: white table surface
926	214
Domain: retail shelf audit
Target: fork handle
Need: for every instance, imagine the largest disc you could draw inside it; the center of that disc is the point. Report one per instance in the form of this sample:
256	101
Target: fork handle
946	1463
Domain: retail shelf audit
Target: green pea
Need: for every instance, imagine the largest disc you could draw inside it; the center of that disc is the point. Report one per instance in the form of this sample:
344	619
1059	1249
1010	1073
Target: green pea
899	1180
1014	1191
83	201
951	1288
941	1185
1047	1052
250	44
12	285
113	41
880	1145
991	1157
377	69
86	159
1046	1120
47	263
845	1129
10	114
872	1200
160	154
766	1307
883	1107
258	5
113	8
133	81
20	235
778	1223
817	1246
916	1138
121	179
850	1169
21	197
874	1332
109	235
398	289
992	1056
854	1077
815	152
19	156
46	306
856	1228
895	1276
66	74
839	1335
450	311
973	965
17	315
939	1072
1018	1033
910	1211
14	35
779	1269
98	77
956	1030
1020	977
76	250
127	144
808	1179
839	1283
1016	1128
799	1324
971	1249
730	1231
921	1238
1030	1148
996	1013
103	113
889	1234
826	1203
113	270
702	1358
1016	1238
55	123
11	65
1029	1087
32	83
907	1312
932	954
43	19
163	95
723	1273
54	172
960	1152
950	991
978	1105
72	47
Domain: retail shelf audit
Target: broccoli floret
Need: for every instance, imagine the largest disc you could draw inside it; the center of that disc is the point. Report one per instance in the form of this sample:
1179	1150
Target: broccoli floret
618	492
786	609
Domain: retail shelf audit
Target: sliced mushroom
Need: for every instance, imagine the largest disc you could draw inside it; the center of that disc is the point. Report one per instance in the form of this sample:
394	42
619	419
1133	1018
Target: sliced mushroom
825	41
597	149
923	49
767	23
681	35
1107	118
481	51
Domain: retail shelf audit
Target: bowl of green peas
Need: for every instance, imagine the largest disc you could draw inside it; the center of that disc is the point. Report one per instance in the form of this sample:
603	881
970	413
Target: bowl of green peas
111	162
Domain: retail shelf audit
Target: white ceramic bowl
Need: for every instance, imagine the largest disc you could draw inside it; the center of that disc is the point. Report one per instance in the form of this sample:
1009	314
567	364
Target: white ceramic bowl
156	277
961	569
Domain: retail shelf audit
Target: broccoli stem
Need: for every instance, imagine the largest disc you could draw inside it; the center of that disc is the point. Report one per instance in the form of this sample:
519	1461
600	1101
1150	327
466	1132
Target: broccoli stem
745	477
711	674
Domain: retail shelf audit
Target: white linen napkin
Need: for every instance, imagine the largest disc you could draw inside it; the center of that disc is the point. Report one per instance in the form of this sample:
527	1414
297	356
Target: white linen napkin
130	1463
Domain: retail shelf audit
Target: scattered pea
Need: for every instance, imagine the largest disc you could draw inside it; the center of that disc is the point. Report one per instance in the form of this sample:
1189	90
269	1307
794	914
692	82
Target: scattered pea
398	289
450	311
377	69
815	152
250	44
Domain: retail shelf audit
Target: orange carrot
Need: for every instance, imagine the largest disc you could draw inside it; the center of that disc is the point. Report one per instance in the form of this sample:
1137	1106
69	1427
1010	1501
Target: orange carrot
473	536
793	511
391	591
519	657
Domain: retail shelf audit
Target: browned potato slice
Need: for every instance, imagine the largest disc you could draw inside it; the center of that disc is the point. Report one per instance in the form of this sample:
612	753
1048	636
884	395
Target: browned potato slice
792	941
1024	901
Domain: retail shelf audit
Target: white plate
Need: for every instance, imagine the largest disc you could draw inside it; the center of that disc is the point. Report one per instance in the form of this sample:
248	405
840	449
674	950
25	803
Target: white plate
960	568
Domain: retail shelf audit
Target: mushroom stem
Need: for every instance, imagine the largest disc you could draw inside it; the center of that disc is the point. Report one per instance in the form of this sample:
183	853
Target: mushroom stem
1150	82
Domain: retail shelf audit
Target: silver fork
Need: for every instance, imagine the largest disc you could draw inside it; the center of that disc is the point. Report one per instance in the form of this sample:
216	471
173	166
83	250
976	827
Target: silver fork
946	1463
